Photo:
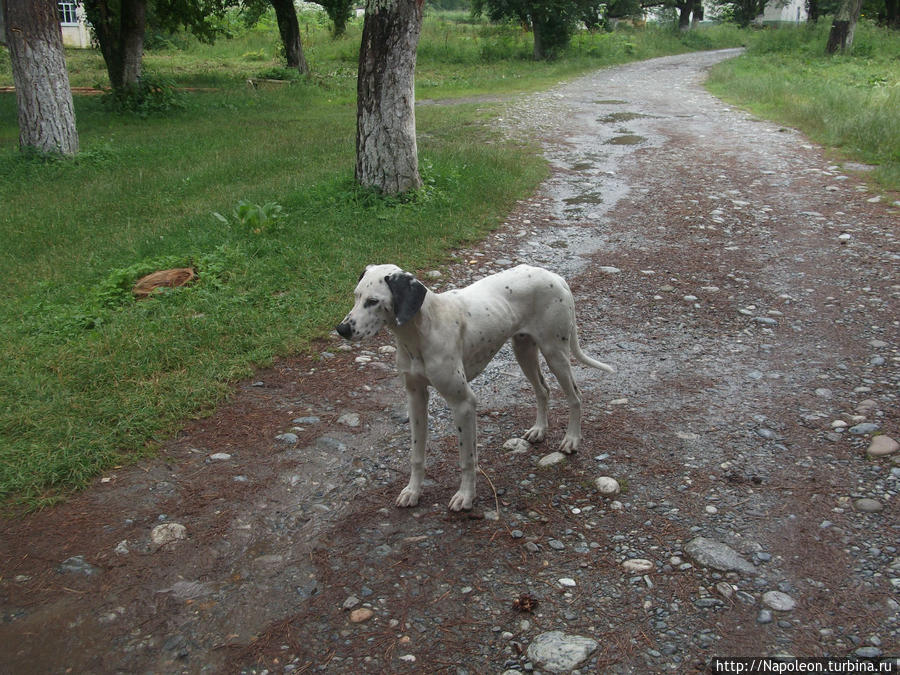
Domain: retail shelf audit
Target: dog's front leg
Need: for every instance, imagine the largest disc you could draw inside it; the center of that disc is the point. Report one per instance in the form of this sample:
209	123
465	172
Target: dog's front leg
462	403
417	401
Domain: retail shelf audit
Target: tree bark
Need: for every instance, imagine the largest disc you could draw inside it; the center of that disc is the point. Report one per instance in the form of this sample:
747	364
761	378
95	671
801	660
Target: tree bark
840	37
812	11
386	151
684	14
121	37
892	13
44	100
697	13
537	31
289	28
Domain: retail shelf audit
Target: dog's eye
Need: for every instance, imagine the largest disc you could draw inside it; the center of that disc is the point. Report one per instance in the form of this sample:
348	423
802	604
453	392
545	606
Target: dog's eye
371	302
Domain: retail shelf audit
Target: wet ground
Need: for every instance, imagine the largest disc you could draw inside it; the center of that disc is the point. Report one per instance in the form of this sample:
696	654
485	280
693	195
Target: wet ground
744	285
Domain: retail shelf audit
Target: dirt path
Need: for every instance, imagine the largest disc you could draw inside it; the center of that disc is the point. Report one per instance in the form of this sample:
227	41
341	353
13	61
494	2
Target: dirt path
746	290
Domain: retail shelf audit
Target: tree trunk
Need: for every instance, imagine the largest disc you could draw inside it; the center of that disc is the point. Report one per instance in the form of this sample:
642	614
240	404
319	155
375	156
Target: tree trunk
892	13
43	97
386	152
697	13
537	30
289	27
684	14
121	37
812	11
840	37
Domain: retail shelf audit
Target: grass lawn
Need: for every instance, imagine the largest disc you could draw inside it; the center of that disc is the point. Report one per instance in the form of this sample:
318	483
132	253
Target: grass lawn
91	378
850	103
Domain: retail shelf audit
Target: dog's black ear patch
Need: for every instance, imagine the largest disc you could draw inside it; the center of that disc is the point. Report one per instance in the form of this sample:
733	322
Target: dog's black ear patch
408	294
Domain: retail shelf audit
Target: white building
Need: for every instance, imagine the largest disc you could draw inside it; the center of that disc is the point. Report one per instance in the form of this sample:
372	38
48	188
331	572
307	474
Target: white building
789	11
75	32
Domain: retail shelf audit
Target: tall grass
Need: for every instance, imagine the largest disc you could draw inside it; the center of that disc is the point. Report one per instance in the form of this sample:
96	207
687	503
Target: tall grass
90	377
848	102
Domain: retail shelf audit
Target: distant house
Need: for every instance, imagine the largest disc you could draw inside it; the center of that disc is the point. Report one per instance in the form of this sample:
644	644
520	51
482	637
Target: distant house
784	11
75	31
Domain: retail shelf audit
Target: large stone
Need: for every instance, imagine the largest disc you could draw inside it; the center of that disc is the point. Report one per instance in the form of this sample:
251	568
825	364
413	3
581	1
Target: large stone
779	601
77	565
883	445
557	652
607	485
517	445
638	565
708	553
551	459
168	533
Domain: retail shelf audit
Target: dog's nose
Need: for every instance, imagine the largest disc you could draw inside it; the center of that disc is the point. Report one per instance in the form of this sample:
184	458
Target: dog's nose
344	330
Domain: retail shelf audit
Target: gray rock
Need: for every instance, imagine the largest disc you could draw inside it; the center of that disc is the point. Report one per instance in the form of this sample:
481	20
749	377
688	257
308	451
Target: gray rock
867	505
864	428
77	565
168	533
556	544
607	485
349	419
517	445
557	652
220	457
764	616
709	553
330	444
882	445
638	565
780	602
312	419
868	652
551	459
288	438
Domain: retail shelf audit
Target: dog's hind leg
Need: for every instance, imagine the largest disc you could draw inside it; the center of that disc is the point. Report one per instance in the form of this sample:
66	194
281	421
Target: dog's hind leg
558	362
417	401
525	349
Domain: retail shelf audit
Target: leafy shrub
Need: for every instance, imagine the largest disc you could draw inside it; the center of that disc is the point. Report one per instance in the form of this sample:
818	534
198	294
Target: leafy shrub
279	73
255	218
151	95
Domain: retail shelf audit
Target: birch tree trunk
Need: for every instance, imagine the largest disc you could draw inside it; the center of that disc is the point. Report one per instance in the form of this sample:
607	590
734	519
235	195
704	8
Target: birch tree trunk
840	37
43	97
386	152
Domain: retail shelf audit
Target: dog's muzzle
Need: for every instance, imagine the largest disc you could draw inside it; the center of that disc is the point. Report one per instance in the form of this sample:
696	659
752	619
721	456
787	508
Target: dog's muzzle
345	330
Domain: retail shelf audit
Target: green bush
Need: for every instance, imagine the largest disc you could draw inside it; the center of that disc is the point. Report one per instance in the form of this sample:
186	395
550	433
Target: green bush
150	95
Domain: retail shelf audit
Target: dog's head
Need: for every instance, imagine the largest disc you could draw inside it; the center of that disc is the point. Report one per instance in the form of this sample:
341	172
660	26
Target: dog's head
385	295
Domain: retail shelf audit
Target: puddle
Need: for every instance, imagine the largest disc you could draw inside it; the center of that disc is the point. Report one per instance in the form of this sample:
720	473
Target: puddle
611	101
613	118
559	243
587	198
627	139
582	166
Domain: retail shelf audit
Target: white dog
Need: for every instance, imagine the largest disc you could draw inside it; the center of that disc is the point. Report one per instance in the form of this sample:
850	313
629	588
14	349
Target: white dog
444	340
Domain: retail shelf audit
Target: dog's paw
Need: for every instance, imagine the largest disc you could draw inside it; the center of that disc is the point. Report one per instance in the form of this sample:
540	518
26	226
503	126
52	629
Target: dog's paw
462	501
535	434
570	444
409	496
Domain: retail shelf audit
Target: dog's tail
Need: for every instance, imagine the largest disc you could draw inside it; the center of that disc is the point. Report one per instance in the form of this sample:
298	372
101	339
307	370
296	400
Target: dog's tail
584	358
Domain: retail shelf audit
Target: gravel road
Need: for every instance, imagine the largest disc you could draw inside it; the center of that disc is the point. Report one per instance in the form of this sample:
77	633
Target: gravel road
744	285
